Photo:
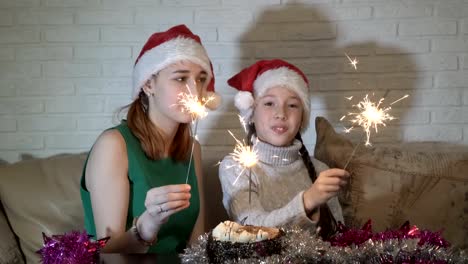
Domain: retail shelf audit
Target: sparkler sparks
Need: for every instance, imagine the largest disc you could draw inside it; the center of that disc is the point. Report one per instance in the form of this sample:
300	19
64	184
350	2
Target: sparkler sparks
353	62
196	107
243	123
193	105
370	116
244	154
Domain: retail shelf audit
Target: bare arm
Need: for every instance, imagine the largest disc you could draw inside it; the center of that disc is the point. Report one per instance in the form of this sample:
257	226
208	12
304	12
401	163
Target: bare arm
107	182
199	227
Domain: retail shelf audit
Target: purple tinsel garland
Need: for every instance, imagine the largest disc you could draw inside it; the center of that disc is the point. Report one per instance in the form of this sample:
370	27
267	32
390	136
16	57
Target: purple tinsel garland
71	248
347	237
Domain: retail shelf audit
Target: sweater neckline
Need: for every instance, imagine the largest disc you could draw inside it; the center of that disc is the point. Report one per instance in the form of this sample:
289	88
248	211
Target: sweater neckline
277	156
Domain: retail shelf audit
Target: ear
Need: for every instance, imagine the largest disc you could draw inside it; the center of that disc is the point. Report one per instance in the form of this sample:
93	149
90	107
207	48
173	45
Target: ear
148	87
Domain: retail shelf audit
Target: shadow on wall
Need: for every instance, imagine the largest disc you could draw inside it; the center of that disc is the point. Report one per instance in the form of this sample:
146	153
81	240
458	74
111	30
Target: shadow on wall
305	36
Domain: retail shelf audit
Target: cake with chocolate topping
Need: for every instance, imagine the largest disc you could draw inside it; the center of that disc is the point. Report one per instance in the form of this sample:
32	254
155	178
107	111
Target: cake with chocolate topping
230	240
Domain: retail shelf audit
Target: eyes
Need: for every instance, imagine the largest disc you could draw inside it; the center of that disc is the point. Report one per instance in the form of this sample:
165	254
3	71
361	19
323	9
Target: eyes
271	103
185	79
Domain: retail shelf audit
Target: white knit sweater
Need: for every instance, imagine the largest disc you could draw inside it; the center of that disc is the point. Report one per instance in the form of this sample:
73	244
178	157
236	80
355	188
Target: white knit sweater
279	180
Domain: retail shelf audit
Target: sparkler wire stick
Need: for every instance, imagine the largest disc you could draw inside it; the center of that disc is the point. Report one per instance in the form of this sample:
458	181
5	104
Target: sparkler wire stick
194	134
250	185
354	151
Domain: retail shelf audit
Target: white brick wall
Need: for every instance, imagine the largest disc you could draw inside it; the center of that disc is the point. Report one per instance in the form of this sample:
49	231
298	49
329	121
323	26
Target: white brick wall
65	66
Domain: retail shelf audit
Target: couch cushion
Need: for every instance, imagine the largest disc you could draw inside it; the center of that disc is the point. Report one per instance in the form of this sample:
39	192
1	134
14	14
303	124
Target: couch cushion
9	251
42	195
425	183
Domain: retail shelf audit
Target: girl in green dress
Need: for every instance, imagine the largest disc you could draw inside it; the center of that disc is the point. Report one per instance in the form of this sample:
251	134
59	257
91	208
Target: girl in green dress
133	186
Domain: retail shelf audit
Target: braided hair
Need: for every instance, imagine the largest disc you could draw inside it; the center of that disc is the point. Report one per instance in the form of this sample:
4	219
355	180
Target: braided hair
327	222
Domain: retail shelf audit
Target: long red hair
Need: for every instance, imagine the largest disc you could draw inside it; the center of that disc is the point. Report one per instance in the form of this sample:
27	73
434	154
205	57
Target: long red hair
152	137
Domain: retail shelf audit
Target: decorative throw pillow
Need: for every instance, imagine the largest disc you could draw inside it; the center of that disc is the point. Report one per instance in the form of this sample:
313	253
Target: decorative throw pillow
42	195
9	251
391	184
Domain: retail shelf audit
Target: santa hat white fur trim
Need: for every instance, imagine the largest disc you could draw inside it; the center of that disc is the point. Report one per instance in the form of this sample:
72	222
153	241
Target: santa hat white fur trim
165	54
244	101
287	78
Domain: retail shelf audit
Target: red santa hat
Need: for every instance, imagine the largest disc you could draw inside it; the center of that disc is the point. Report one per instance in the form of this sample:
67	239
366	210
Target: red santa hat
165	48
255	80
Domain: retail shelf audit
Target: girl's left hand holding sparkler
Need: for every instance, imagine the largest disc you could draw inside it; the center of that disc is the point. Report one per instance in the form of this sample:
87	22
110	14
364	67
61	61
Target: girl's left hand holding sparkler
327	185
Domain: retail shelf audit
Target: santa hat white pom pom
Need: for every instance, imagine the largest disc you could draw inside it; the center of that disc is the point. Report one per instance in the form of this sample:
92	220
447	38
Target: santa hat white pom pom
243	100
214	102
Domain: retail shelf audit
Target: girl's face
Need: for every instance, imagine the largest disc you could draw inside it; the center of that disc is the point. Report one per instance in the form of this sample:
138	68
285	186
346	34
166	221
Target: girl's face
166	87
277	116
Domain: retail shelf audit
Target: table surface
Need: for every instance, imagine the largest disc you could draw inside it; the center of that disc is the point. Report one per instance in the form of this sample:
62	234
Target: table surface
137	258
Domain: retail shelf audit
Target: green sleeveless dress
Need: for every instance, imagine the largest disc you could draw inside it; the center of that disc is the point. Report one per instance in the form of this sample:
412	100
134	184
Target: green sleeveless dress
144	174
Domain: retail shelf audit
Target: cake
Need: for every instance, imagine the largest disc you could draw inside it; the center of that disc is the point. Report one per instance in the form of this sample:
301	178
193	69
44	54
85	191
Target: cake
230	240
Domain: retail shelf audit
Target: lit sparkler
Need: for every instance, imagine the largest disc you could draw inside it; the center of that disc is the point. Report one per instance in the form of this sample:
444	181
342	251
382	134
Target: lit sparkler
247	157
192	104
370	116
196	107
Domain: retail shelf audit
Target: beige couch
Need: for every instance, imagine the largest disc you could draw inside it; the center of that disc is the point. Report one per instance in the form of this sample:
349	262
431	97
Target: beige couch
424	183
38	195
42	195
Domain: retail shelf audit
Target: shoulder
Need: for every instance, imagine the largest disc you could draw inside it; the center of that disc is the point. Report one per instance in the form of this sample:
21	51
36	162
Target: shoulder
230	169
110	139
108	160
227	162
228	166
319	165
229	172
109	147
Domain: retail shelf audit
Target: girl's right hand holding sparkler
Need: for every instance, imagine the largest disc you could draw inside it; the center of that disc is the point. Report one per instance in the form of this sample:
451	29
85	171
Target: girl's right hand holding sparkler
326	186
161	203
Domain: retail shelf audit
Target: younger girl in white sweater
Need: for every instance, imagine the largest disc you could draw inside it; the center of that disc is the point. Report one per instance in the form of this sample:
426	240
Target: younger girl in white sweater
288	186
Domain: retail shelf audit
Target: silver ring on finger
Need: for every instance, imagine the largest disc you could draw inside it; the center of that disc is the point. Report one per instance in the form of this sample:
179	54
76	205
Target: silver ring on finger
161	210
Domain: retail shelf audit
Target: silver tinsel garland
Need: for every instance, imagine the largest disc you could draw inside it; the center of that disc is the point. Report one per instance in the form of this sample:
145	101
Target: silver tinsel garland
299	246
